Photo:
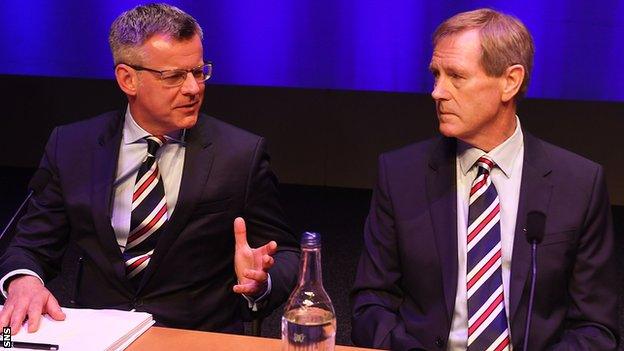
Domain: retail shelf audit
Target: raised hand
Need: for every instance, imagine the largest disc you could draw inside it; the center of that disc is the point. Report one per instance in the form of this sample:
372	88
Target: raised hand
251	265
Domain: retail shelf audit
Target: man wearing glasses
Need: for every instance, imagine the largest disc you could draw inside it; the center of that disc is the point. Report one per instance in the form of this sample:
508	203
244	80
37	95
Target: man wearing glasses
142	203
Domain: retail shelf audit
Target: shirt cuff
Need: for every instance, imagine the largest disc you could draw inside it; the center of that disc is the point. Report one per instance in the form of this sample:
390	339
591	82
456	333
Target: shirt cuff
253	302
14	273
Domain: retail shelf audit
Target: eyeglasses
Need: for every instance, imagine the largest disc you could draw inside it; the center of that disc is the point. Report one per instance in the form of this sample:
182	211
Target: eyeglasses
176	77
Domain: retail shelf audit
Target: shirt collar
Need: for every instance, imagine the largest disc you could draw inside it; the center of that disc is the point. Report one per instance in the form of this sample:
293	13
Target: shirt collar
132	132
504	155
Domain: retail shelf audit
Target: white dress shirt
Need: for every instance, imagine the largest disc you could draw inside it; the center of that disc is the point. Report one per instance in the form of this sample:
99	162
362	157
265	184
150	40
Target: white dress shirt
506	177
132	153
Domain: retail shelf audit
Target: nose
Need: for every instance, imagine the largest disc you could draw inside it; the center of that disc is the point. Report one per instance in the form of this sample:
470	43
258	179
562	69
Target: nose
439	91
190	85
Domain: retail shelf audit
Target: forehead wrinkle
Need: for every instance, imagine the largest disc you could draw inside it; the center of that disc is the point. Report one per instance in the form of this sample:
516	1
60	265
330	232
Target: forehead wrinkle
452	54
448	64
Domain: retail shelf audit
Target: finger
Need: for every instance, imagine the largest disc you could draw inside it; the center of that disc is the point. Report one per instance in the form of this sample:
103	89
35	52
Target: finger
271	248
268	249
17	318
34	316
247	289
256	275
35	309
5	315
267	262
54	309
240	232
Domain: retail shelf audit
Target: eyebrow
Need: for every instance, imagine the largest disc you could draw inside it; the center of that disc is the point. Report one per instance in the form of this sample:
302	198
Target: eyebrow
449	68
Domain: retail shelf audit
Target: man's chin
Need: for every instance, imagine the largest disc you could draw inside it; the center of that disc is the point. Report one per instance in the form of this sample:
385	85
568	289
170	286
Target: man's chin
188	121
447	130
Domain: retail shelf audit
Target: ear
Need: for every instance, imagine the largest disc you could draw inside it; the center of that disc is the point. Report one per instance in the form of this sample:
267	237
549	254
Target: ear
512	81
126	79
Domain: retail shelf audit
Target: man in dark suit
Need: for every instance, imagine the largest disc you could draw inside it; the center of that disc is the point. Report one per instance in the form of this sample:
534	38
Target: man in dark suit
139	209
446	262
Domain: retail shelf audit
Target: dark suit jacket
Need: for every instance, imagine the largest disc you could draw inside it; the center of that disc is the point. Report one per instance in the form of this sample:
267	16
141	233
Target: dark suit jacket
404	293
188	283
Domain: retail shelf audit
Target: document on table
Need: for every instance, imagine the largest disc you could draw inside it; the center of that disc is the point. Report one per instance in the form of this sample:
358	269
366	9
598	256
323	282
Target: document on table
88	329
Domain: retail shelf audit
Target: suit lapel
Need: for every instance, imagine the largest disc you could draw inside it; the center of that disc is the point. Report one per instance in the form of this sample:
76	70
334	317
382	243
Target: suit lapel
103	172
442	197
535	193
198	158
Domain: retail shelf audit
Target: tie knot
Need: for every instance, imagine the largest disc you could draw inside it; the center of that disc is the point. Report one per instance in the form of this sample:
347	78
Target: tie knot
485	164
154	142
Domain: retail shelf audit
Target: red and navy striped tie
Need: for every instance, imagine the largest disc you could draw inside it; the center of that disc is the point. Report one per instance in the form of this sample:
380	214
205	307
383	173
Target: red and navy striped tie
487	320
149	212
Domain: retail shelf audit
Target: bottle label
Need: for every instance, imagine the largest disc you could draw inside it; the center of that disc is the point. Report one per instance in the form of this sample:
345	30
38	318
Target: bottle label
312	329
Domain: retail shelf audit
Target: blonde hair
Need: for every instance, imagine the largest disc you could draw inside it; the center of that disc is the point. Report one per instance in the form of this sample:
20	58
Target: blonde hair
505	41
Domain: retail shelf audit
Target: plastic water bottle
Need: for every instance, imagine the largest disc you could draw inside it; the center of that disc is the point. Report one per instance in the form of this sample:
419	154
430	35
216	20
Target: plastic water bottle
309	320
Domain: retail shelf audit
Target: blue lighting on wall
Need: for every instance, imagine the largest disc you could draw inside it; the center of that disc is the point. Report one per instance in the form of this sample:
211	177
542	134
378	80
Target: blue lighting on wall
328	44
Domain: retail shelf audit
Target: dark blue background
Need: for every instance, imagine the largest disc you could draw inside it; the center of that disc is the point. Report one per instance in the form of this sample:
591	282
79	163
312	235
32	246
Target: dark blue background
334	44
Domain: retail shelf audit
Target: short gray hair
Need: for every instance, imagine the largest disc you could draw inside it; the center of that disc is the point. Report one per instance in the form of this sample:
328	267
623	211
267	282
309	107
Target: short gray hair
134	27
505	41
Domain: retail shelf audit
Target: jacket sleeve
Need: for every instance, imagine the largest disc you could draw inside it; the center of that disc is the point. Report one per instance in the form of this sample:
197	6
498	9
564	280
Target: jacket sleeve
377	294
266	221
41	234
591	321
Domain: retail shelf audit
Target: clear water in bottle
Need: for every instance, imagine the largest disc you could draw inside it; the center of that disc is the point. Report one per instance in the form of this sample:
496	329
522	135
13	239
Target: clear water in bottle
308	329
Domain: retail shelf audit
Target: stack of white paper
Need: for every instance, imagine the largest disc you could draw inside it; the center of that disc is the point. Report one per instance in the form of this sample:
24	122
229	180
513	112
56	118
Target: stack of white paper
86	329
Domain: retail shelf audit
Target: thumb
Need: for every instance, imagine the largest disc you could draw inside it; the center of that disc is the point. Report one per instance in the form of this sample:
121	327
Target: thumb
240	232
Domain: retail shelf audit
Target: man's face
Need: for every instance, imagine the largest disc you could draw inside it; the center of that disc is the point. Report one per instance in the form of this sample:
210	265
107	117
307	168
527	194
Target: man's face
160	109
468	101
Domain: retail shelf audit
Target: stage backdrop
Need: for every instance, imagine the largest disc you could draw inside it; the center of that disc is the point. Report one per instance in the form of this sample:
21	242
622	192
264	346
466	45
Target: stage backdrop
381	45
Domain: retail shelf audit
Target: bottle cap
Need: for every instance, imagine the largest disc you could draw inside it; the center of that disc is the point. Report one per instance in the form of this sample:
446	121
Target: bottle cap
310	240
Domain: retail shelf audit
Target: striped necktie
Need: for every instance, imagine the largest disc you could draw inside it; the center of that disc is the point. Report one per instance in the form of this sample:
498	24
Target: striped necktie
149	212
487	320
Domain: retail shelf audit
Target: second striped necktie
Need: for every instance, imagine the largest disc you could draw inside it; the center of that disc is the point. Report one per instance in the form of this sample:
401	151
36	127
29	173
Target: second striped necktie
487	320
